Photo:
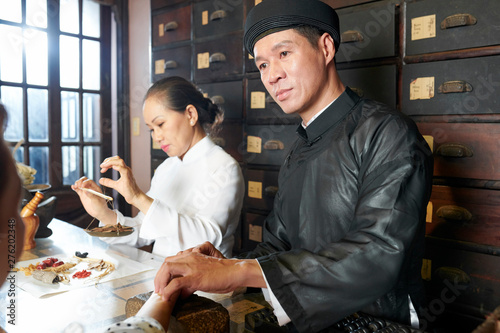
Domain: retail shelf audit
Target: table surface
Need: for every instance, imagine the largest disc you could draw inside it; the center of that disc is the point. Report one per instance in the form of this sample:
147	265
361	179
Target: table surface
92	308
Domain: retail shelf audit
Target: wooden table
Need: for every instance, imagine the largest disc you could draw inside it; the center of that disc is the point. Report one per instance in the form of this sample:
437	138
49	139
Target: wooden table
92	308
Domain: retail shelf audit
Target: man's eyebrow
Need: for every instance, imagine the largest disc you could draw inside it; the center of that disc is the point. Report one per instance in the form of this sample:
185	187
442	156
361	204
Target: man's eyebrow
277	46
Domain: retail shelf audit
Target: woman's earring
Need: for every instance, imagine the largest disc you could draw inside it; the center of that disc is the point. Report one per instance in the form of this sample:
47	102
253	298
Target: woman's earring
192	122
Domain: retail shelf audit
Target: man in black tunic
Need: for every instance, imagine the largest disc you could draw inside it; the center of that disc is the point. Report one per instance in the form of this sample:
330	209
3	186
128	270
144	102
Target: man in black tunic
346	232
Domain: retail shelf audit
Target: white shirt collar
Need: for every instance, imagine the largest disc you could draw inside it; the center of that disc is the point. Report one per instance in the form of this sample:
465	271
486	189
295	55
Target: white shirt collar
317	115
198	150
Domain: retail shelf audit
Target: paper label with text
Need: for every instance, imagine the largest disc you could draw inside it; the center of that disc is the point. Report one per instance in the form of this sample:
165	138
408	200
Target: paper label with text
160	66
428	216
255	233
254	189
254	144
423	27
257	100
204	17
203	60
422	88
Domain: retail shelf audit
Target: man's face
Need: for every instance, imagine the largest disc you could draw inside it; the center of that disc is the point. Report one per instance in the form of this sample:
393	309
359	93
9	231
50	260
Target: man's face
293	72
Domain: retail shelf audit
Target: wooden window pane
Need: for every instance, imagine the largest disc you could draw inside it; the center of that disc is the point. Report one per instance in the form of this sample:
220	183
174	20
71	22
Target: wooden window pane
35	42
70	117
91	52
12	98
91	19
36	13
69	61
69	16
10	10
91	161
39	160
38	115
11	54
70	164
91	117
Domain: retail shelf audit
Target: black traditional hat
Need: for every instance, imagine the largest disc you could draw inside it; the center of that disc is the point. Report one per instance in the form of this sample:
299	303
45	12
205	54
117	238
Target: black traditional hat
275	15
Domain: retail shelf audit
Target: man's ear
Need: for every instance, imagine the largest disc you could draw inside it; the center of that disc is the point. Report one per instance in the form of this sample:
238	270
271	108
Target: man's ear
192	114
327	46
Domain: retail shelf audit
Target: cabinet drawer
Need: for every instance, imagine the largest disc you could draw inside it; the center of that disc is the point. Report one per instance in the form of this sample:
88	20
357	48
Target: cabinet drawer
377	83
460	278
172	26
465	86
218	59
262	186
367	31
172	62
230	138
434	26
464	150
227	95
261	106
217	17
252	231
465	214
268	145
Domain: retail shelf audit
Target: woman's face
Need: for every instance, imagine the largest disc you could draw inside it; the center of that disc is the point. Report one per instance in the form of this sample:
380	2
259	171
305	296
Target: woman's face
11	224
174	131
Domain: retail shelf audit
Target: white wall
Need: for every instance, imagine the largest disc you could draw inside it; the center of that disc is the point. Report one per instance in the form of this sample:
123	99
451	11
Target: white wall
140	55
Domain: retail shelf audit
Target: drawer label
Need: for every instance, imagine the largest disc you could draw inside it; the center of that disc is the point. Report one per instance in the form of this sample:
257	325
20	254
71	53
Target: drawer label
254	189
430	141
203	60
250	56
255	233
204	17
161	29
160	66
257	2
423	27
156	145
422	88
428	217
257	100
426	269
254	144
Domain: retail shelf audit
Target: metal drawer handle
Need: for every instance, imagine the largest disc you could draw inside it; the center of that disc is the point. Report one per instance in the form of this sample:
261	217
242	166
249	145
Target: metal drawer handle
217	57
358	91
454	213
453	275
219	141
270	191
170	26
171	64
218	15
458	20
351	36
454	150
218	99
458	86
274	145
269	99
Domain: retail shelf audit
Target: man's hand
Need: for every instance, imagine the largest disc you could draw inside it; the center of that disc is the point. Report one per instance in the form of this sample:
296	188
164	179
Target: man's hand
192	270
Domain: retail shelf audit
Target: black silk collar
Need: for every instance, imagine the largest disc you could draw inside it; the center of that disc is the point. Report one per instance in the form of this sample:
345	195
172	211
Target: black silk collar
330	117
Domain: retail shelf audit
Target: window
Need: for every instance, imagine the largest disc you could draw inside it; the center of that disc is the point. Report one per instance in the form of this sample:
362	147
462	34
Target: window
54	82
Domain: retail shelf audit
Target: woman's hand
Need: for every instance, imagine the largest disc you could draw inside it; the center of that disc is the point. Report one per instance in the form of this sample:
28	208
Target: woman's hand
96	207
126	184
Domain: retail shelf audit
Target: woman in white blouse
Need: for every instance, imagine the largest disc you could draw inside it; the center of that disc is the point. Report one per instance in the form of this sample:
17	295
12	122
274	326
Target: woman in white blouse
196	194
